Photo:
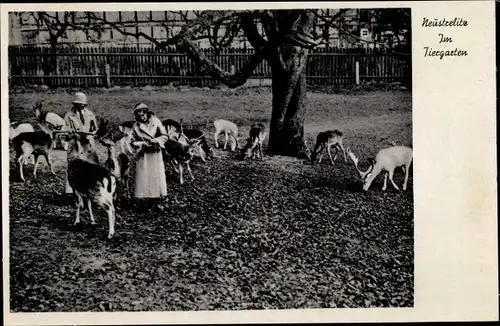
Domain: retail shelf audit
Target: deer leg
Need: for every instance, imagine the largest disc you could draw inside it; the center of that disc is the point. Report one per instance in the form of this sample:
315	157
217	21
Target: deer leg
47	159
343	151
391	173
189	170
328	148
36	165
385	181
216	135
122	145
181	180
202	154
174	165
261	155
127	189
336	153
407	172
89	207
79	205
20	161
226	138
320	152
234	143
110	209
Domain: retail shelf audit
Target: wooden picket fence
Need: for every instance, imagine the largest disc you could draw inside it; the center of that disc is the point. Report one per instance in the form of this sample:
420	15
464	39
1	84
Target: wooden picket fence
105	66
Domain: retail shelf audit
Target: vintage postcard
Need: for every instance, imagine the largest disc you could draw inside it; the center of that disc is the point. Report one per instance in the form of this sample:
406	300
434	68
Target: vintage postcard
249	162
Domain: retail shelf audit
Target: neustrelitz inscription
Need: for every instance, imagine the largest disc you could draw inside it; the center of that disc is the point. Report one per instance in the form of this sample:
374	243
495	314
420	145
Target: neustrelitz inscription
442	38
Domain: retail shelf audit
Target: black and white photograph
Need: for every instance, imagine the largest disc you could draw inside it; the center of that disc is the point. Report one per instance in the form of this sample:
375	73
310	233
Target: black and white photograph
189	160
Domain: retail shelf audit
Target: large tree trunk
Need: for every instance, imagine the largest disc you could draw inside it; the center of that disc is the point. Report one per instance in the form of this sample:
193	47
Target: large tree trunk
288	66
286	135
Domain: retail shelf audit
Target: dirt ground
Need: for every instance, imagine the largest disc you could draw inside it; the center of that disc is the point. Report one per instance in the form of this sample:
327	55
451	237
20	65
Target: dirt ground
244	235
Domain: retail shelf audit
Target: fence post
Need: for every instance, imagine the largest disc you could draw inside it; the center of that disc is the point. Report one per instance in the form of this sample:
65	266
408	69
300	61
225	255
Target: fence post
357	72
107	75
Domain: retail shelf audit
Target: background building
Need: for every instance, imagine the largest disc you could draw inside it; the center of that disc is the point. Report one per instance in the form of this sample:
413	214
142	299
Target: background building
162	25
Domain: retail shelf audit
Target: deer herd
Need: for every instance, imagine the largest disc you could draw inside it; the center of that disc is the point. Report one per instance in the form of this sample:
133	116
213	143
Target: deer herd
94	182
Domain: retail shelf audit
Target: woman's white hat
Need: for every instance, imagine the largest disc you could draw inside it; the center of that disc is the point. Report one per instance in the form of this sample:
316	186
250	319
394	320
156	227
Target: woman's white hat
141	106
80	98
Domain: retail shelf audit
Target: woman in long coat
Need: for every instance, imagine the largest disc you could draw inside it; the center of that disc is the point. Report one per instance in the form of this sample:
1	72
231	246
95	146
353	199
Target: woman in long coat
79	118
148	138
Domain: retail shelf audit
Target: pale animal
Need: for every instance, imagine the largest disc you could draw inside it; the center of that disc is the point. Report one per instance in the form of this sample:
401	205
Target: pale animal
229	129
36	143
387	160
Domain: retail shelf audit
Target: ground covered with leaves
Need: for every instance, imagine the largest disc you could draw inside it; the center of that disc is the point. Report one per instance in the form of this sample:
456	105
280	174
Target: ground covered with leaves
276	234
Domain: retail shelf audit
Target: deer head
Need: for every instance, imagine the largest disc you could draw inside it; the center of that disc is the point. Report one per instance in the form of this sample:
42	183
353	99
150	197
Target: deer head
355	160
37	109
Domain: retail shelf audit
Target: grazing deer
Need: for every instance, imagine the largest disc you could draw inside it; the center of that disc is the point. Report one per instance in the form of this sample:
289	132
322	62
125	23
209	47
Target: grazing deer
254	142
36	143
50	119
387	160
90	182
229	129
328	139
178	154
204	150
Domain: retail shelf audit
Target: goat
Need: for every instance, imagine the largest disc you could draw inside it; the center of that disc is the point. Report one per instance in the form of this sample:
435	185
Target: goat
33	143
204	149
328	139
254	142
91	182
178	154
51	119
387	160
229	129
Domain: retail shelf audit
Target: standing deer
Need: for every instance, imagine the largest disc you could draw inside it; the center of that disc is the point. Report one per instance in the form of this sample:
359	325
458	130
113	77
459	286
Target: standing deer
50	119
204	149
36	143
177	154
118	165
90	181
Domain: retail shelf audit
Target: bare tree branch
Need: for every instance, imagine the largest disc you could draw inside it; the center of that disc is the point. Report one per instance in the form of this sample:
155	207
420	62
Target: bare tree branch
120	30
250	30
184	41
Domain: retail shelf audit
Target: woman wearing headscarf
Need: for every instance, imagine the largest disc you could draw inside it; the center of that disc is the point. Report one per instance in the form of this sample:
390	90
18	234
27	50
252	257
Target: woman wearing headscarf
148	138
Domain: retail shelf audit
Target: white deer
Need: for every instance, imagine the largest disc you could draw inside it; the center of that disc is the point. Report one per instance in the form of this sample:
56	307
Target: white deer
229	129
387	160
